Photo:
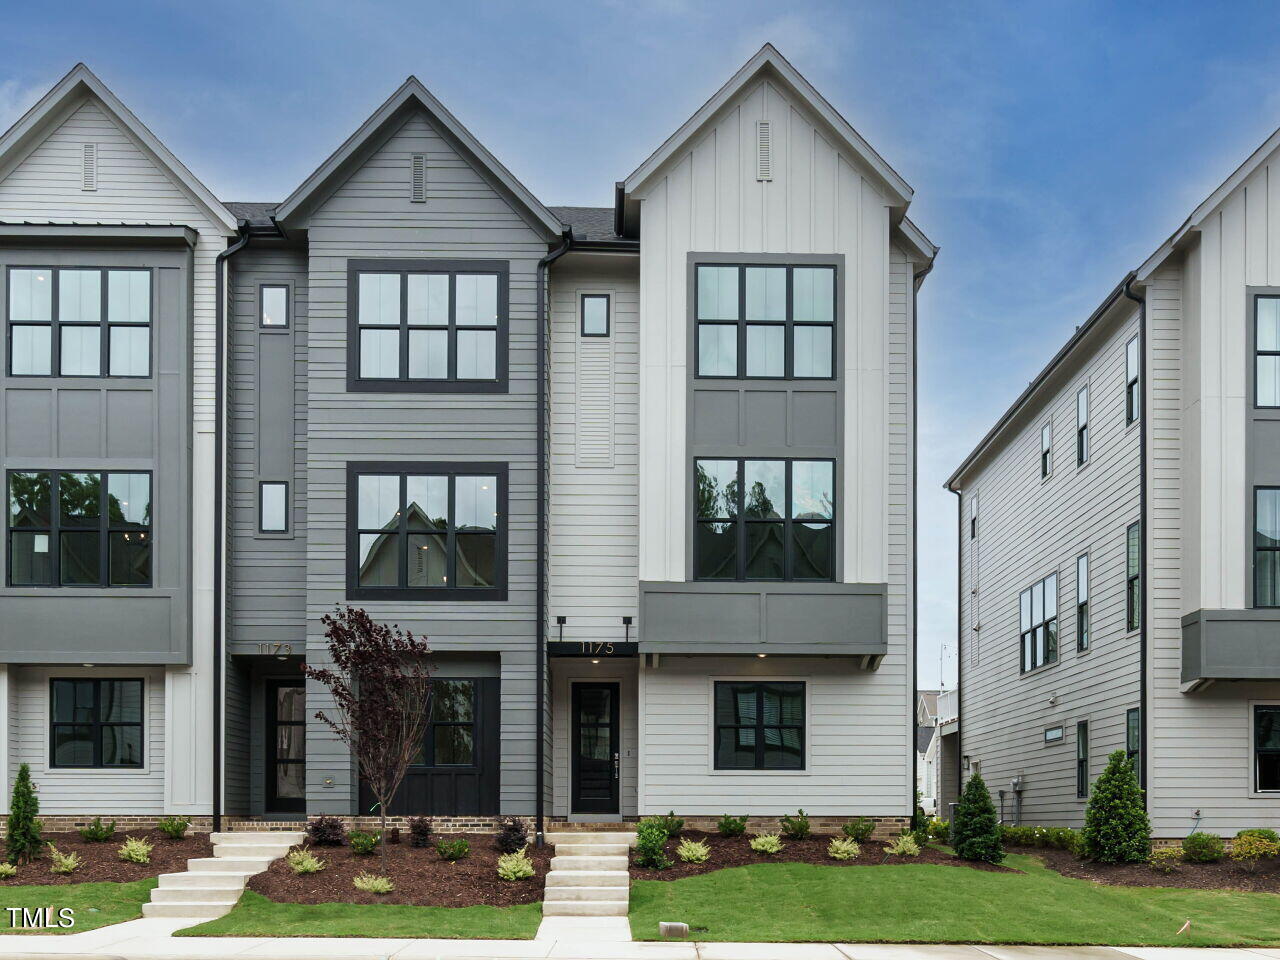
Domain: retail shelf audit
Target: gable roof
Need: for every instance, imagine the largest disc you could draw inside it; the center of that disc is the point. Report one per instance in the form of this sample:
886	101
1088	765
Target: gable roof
411	92
769	60
32	127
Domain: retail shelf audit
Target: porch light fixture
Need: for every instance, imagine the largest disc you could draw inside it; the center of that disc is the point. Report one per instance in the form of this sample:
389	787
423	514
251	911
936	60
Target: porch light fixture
761	655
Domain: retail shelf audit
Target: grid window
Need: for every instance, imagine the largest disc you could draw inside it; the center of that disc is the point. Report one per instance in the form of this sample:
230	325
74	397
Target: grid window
1266	547
764	520
95	723
595	314
273	507
273	303
1133	739
1082	759
450	737
1038	623
1082	426
1046	450
1082	602
79	529
759	726
427	531
1133	577
1266	331
1266	748
1132	389
79	322
765	321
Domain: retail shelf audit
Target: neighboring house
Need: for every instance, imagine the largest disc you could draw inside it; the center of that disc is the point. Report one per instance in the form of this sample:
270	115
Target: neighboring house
1118	537
642	474
927	749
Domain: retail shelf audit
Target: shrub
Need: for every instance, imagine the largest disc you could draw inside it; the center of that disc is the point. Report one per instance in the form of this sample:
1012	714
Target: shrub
795	828
363	844
453	850
7	870
693	851
671	823
842	848
420	829
515	865
175	828
135	850
1202	848
1060	838
1116	828
939	830
327	832
1248	850
904	846
975	835
651	841
64	862
304	861
1262	832
372	883
513	836
859	829
767	843
98	832
22	842
1166	859
732	826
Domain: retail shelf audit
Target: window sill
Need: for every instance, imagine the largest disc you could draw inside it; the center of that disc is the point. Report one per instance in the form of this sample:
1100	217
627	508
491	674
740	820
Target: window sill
757	773
1040	669
452	594
357	385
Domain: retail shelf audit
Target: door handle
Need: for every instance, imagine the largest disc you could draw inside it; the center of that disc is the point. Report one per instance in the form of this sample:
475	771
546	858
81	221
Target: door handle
616	766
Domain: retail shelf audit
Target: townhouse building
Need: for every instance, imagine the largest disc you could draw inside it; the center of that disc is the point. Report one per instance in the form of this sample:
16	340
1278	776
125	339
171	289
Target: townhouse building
1117	530
641	474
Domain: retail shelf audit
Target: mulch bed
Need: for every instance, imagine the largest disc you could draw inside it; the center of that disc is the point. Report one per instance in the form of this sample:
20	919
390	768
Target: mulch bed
1224	875
737	852
102	864
421	878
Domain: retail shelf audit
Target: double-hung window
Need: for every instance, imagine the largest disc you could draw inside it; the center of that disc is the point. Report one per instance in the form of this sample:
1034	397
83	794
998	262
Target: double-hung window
79	529
427	531
1082	602
759	725
1266	333
1133	576
1046	450
1082	426
764	520
766	320
95	723
1038	623
79	322
1082	759
427	326
1266	547
450	739
1266	748
1132	388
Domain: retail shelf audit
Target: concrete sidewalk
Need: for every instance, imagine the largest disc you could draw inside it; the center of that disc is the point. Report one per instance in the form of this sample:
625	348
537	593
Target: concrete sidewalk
150	939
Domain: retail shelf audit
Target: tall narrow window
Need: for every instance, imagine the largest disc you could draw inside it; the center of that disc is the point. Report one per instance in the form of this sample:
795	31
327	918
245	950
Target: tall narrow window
1082	602
1266	547
1266	748
1133	739
1046	450
1082	759
1133	577
1266	330
595	314
1132	389
273	507
273	302
1082	426
1038	623
450	739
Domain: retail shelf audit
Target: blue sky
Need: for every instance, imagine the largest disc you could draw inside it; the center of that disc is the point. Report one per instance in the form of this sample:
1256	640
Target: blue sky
1052	146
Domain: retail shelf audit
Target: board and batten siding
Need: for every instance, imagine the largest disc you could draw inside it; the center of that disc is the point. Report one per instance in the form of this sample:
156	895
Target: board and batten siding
1028	529
370	215
133	188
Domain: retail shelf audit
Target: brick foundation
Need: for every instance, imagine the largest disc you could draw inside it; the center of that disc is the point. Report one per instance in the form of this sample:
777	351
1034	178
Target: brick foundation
886	827
58	823
465	824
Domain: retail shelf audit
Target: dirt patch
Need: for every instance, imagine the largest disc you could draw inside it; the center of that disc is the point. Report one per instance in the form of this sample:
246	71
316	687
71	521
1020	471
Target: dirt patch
419	875
737	852
1224	875
102	863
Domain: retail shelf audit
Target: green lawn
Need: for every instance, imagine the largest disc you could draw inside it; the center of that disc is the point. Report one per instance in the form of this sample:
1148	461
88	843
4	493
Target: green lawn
256	916
95	904
924	903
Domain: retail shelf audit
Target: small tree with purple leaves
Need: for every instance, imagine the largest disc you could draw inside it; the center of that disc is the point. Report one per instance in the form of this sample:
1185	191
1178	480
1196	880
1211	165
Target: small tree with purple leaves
380	681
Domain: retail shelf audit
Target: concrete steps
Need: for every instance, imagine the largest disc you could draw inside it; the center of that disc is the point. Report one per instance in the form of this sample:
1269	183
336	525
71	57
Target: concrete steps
588	876
212	885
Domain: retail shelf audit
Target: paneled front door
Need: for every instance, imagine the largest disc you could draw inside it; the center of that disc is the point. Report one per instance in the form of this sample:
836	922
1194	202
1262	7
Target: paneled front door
595	748
286	746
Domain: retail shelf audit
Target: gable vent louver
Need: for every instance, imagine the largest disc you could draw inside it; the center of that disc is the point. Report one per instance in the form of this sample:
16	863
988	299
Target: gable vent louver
89	166
764	150
418	178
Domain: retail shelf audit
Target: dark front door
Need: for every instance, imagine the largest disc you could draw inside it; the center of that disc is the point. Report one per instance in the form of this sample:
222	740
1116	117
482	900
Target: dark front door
595	748
286	746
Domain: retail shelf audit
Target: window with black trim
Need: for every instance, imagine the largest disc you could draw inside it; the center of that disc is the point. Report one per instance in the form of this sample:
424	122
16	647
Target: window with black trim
450	738
1053	734
273	306
1132	389
1266	547
79	529
1082	759
1266	344
1038	623
95	723
427	325
1082	602
1133	576
759	725
1266	748
1082	426
595	311
1046	450
764	520
427	531
273	507
79	322
771	321
1133	739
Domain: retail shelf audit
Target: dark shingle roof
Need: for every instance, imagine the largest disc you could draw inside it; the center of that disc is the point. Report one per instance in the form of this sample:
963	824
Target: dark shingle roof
924	737
588	223
255	213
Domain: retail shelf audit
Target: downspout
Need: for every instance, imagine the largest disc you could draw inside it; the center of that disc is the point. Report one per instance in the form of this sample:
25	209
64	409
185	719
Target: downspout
543	313
219	492
1143	413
